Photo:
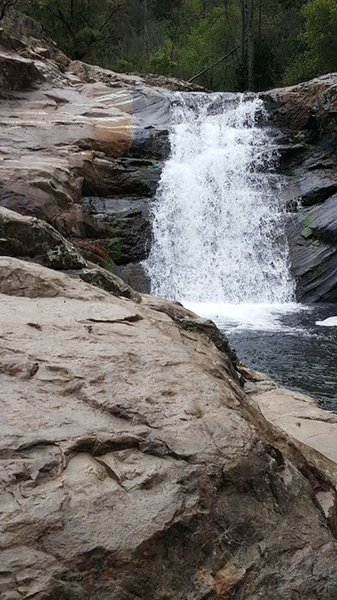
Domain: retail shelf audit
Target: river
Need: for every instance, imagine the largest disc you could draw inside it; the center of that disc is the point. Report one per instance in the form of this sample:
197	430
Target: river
219	243
284	342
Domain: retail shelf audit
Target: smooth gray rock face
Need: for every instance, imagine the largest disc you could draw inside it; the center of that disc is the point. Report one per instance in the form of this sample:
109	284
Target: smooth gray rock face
124	222
312	234
306	115
133	465
313	237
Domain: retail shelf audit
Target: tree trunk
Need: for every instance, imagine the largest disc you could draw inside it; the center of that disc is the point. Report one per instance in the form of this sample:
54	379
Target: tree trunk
146	32
247	43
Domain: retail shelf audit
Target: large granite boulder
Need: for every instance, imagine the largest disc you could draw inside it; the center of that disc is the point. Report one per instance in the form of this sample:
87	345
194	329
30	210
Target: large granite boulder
17	73
133	465
29	237
297	107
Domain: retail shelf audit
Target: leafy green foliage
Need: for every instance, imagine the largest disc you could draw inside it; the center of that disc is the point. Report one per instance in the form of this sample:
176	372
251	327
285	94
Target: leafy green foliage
317	44
321	33
293	39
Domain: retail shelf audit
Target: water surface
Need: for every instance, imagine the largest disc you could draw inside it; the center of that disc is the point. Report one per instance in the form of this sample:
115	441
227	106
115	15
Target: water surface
284	342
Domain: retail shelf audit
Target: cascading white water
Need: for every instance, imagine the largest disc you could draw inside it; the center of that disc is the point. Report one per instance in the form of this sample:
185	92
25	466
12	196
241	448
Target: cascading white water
218	229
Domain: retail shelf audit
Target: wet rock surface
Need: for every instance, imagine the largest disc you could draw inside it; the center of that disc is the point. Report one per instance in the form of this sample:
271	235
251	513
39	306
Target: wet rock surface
124	223
138	458
306	115
132	461
70	131
313	235
35	240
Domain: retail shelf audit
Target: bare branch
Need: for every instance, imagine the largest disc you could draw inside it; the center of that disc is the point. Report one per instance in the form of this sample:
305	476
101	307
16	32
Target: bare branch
60	16
115	9
214	64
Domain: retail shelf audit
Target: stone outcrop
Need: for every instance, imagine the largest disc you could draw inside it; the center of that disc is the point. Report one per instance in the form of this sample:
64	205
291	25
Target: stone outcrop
134	465
313	235
122	226
72	131
306	117
139	458
30	238
305	434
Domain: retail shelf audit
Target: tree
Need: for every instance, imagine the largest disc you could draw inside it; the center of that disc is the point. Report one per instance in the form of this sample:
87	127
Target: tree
247	43
76	25
4	6
201	39
185	38
321	33
316	51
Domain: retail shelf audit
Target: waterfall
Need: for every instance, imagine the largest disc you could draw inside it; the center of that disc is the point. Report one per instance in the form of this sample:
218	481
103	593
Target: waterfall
218	229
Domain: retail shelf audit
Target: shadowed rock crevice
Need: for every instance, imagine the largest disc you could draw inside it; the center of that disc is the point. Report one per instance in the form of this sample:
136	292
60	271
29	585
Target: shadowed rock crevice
32	239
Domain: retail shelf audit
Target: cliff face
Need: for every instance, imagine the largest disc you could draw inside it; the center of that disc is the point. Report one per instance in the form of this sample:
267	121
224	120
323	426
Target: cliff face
306	116
81	149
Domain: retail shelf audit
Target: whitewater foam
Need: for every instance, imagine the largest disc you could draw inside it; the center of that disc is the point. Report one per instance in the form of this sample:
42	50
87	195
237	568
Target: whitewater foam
218	228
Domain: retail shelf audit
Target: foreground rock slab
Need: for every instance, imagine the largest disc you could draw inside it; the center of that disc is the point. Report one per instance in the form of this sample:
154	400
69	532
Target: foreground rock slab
130	463
301	430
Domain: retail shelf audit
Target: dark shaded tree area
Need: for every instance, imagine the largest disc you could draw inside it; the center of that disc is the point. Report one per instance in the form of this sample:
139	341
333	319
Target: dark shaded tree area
229	44
5	5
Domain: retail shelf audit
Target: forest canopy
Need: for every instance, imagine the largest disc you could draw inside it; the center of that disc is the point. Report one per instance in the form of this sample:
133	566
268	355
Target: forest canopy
233	44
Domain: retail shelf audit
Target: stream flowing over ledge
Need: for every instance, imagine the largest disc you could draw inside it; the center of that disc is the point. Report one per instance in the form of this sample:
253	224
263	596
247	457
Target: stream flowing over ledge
90	164
139	457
